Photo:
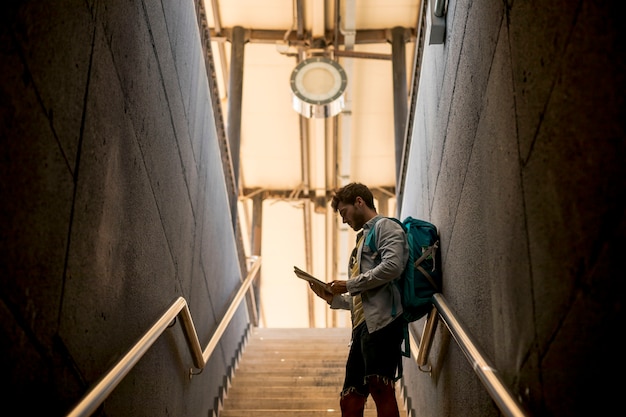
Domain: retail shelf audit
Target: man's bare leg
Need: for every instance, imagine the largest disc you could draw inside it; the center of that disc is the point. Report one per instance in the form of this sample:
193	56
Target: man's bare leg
384	395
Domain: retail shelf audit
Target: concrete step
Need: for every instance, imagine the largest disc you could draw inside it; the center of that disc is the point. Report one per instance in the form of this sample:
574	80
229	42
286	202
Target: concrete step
301	366
328	358
265	403
236	392
279	333
292	413
287	380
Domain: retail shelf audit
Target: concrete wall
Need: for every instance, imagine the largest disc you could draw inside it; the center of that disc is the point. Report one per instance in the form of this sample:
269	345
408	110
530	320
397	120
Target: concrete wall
518	156
113	204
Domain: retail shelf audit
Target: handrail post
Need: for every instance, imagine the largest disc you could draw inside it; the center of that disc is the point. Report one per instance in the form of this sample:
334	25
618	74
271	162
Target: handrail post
427	337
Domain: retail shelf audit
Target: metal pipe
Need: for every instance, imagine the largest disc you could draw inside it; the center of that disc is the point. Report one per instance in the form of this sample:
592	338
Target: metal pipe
300	18
332	232
486	372
366	55
306	207
337	20
341	237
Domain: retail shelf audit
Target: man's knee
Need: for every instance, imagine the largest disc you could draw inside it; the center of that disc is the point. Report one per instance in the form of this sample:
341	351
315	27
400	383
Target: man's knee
352	403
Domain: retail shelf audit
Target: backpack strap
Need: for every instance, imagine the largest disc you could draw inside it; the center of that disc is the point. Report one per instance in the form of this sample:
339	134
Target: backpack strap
407	346
431	251
406	352
370	240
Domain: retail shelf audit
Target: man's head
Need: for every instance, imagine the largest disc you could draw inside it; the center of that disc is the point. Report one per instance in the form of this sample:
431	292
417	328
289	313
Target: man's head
355	204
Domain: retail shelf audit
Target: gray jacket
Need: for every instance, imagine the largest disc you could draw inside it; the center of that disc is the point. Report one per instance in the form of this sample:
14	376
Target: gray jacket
375	283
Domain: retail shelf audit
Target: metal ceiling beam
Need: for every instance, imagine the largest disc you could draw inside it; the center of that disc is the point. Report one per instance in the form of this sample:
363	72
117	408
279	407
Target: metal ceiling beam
269	36
299	195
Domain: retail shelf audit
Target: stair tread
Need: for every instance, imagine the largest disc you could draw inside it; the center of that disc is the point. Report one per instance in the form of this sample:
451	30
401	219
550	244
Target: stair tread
294	372
282	391
289	371
336	352
309	381
290	413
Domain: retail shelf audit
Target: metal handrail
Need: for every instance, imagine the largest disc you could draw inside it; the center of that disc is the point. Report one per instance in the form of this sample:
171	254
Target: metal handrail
487	374
439	6
101	390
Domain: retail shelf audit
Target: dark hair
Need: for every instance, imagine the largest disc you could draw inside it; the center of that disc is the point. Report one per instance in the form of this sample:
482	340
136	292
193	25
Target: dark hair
348	194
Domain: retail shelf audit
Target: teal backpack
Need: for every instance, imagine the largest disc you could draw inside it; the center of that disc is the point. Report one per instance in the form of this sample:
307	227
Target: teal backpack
421	277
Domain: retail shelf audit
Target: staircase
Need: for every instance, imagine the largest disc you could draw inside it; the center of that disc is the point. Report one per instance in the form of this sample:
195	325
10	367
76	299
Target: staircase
292	372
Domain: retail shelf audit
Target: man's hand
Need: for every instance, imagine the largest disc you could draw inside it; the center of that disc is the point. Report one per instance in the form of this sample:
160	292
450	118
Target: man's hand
321	292
338	287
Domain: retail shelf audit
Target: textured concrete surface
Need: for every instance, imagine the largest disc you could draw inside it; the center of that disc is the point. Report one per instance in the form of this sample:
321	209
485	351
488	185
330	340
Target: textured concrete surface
517	156
114	203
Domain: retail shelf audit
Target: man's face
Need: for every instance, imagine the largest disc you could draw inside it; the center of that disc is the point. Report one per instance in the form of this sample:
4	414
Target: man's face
352	214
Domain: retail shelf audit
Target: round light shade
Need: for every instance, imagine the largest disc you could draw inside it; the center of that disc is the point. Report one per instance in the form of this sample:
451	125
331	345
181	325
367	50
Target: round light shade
318	85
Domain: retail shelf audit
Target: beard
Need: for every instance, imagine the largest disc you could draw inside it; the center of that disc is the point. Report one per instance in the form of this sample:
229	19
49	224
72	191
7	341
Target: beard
358	220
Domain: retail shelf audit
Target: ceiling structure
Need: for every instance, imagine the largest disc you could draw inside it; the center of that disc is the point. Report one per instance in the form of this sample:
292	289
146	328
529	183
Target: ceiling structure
286	165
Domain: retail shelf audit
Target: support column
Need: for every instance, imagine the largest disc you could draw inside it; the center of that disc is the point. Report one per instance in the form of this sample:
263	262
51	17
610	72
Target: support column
255	249
235	93
400	92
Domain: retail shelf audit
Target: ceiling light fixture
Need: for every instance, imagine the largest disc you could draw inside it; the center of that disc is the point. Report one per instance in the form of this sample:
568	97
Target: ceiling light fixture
318	85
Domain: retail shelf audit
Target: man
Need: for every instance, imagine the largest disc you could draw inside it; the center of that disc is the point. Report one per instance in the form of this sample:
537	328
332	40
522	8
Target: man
374	300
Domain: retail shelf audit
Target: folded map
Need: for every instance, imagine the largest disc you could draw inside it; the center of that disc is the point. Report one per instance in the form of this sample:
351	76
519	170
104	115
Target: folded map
308	277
